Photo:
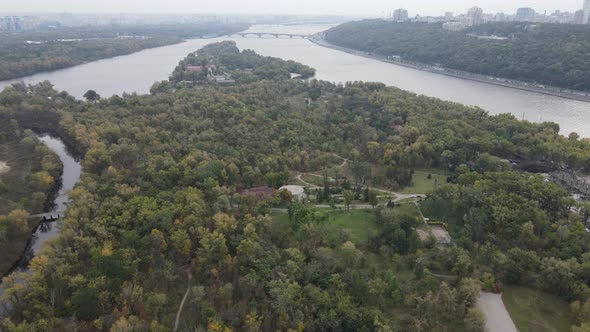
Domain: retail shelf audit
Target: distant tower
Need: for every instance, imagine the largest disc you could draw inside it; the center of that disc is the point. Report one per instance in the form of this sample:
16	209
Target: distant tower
475	15
586	12
400	15
579	17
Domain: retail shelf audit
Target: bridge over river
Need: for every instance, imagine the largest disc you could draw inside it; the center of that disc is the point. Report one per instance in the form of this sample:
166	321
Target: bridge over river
267	34
49	217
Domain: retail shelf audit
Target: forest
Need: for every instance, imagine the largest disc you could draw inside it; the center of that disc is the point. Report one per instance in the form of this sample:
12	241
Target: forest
244	67
162	236
27	53
550	54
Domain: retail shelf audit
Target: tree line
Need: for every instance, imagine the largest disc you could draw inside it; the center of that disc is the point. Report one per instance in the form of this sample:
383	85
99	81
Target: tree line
551	54
28	53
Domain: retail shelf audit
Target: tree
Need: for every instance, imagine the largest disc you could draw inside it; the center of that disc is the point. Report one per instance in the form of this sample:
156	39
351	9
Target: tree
91	95
348	198
463	266
360	171
475	320
585	327
373	199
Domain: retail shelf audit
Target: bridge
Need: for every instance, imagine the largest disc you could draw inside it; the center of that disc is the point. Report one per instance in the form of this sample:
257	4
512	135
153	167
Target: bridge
266	34
49	217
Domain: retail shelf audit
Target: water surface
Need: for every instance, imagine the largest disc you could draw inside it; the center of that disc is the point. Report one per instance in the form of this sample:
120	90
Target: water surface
137	72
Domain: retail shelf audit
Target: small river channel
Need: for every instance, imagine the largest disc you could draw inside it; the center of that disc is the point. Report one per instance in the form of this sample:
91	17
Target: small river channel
49	230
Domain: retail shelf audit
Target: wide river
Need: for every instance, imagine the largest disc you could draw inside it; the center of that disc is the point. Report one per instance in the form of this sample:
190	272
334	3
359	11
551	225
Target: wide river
137	72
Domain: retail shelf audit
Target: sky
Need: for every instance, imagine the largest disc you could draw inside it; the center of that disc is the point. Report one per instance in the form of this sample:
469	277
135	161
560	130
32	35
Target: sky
297	7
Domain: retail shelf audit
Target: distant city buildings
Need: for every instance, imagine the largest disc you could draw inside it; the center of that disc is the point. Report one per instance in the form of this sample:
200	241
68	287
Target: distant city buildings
579	17
400	15
48	21
525	15
454	26
474	16
18	23
500	17
586	10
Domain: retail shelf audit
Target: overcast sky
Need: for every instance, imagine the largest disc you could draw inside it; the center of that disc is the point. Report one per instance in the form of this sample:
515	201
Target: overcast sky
321	7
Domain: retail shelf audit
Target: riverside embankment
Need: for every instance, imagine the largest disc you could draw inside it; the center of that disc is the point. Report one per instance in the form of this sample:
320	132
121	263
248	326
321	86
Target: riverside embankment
514	84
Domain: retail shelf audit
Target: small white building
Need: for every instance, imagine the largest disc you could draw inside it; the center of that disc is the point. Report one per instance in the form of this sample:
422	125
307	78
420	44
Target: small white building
298	192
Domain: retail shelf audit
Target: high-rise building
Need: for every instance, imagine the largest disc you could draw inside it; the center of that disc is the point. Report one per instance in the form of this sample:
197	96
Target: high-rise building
500	17
579	17
475	16
526	14
586	19
449	16
400	15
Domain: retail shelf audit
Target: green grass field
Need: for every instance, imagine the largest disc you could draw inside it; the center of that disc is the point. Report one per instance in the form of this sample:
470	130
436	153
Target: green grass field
421	184
318	181
536	311
357	222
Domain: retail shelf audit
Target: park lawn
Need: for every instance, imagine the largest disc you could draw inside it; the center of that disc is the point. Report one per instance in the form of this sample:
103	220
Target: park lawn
421	184
318	181
408	208
358	223
536	311
281	217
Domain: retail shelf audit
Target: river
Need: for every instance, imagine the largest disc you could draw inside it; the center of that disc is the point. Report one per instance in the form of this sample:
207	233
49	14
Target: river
137	72
49	230
71	174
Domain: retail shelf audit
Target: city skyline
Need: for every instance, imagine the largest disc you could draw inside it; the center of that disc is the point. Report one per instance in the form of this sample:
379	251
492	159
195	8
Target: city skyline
302	7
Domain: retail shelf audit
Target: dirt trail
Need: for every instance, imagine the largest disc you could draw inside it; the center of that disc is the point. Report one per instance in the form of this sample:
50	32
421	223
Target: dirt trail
497	317
182	304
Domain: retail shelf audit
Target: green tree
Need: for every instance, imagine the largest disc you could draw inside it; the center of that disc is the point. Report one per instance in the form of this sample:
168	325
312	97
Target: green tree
91	95
348	198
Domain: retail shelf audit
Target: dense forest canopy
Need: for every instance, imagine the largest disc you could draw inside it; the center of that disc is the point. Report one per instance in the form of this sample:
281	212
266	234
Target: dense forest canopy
27	53
159	212
552	54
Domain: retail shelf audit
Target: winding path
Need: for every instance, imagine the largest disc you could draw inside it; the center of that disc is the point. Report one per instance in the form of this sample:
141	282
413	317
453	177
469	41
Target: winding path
497	317
188	289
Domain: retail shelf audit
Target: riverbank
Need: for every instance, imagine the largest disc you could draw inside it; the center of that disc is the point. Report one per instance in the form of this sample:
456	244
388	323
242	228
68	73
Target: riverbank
519	85
27	248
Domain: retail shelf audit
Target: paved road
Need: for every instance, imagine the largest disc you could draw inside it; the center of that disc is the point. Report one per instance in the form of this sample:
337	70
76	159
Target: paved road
497	317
